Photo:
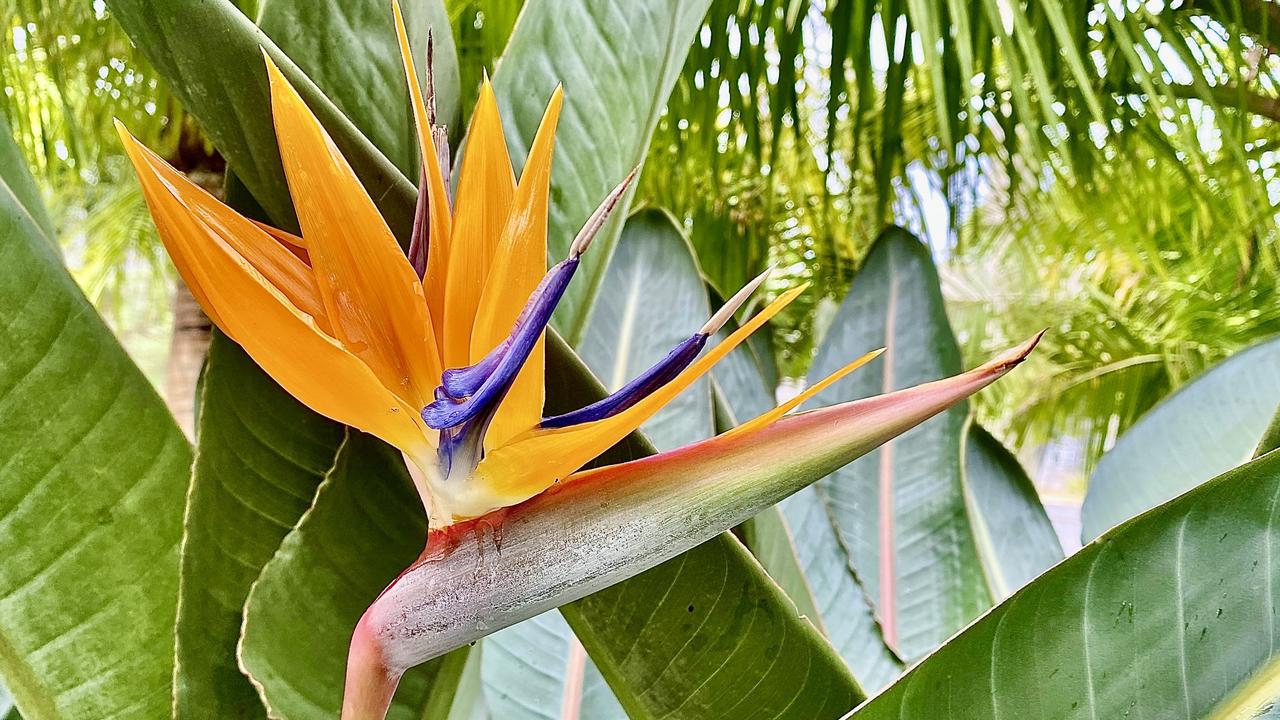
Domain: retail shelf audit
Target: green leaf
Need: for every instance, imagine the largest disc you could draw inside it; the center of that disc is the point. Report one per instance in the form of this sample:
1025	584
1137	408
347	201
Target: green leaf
1171	614
900	511
652	299
1207	427
538	670
92	481
261	455
369	88
18	191
708	634
800	548
365	526
617	60
209	53
1015	539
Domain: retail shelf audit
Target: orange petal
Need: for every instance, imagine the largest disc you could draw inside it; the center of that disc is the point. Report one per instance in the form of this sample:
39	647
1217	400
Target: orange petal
770	417
438	218
485	187
291	242
518	266
284	341
284	270
371	293
538	458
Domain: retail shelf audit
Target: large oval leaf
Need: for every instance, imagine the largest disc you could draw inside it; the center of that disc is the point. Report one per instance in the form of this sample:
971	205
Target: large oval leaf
1200	431
618	61
1171	614
93	471
900	511
932	534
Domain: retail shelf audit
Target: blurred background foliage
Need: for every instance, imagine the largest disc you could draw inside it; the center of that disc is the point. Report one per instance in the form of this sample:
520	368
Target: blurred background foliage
1106	169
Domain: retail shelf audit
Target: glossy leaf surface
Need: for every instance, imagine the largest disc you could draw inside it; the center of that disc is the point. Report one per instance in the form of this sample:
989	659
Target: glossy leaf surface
1171	614
92	481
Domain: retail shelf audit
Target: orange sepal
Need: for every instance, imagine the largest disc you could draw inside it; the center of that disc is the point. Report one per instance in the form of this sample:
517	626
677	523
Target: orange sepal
372	296
307	362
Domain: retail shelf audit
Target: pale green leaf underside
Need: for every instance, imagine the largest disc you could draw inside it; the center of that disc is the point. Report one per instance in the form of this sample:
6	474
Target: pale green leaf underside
527	674
1202	430
927	581
652	299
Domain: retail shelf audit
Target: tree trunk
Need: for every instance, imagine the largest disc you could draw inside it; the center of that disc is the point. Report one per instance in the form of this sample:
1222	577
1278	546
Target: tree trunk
190	343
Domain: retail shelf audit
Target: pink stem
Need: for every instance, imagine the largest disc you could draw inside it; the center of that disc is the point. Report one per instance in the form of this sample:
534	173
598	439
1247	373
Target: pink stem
370	683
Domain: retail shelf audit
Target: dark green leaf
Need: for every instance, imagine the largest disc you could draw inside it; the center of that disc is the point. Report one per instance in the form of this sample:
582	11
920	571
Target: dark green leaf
1171	614
1207	427
708	634
618	61
261	456
365	526
92	481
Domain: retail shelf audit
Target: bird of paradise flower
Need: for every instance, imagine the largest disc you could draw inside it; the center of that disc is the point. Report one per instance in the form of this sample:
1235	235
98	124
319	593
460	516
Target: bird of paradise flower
440	352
